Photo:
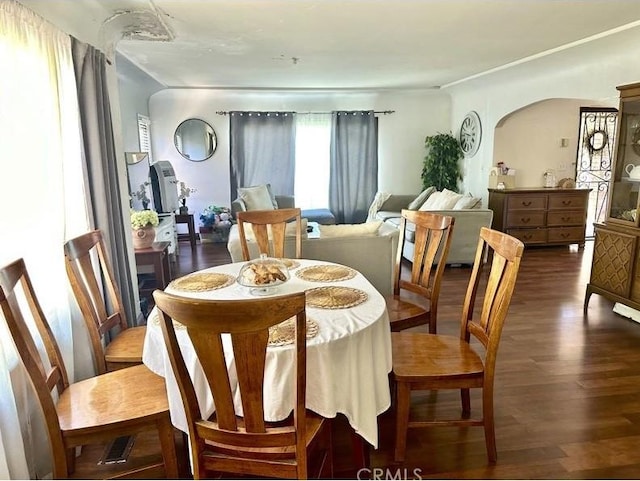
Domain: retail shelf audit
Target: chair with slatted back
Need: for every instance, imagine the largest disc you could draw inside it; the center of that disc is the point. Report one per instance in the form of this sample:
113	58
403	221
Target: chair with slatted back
247	445
93	411
100	303
424	361
431	246
269	230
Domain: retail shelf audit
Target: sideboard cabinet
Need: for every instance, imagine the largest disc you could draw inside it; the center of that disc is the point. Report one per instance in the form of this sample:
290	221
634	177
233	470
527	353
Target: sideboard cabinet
543	216
615	268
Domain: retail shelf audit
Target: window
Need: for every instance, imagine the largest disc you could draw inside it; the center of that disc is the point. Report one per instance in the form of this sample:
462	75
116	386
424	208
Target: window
313	138
144	135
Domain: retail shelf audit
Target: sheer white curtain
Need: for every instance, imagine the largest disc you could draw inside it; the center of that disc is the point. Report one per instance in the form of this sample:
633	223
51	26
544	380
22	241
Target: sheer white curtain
313	138
43	204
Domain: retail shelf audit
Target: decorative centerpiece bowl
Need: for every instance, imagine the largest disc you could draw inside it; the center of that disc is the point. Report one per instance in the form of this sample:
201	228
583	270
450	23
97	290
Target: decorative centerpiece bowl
262	276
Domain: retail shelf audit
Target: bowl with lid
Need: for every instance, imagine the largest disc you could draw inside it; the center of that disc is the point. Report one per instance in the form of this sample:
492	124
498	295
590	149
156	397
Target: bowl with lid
263	275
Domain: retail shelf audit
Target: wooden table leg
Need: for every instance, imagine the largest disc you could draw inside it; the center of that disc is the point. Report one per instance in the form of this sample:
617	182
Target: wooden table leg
359	451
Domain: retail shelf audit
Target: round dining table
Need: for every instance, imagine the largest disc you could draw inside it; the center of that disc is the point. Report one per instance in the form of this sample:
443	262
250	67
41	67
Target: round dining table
348	357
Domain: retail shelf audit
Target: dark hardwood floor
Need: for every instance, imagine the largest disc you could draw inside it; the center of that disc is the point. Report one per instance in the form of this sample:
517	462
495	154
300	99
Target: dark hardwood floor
567	397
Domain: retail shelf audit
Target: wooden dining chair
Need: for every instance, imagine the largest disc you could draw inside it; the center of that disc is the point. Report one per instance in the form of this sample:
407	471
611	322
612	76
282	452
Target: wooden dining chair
99	299
93	411
269	229
424	361
226	442
431	247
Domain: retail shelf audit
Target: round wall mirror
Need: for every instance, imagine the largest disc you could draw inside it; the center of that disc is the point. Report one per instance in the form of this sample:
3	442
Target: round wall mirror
195	140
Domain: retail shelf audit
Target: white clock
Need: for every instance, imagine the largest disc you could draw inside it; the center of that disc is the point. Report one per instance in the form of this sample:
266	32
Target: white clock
470	134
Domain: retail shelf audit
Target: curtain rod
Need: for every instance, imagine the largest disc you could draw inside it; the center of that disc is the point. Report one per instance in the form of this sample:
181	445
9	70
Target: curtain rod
383	112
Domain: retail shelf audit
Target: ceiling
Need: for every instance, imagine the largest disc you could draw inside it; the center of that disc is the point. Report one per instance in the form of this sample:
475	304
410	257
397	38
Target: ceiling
331	44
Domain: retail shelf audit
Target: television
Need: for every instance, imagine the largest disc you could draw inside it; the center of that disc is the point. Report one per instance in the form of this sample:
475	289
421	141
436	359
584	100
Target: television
163	186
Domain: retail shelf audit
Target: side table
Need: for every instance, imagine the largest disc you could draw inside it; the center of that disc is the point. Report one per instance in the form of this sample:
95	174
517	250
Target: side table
157	256
188	219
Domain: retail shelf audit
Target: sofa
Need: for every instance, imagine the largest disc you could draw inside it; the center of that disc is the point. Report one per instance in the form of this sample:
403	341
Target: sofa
372	254
466	230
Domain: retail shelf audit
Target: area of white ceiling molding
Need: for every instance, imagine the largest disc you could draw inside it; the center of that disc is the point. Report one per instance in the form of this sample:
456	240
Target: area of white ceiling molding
145	25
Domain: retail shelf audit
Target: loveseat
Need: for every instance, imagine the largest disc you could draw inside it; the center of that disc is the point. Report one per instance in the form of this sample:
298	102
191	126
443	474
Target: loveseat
466	230
372	254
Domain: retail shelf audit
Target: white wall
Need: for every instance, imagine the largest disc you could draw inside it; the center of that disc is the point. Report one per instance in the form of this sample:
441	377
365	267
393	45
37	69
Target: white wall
590	71
529	140
401	134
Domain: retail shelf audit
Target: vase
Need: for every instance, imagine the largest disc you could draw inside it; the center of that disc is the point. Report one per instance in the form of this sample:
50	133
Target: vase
184	210
143	238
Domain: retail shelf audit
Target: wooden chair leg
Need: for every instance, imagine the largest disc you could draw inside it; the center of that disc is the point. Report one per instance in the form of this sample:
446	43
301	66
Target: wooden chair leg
403	401
466	403
587	296
71	461
489	425
168	446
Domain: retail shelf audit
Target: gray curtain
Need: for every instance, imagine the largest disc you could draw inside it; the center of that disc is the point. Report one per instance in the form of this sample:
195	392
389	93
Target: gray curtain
263	150
101	163
353	181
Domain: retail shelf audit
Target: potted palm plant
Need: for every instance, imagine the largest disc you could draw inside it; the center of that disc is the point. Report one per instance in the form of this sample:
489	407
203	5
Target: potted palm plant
441	167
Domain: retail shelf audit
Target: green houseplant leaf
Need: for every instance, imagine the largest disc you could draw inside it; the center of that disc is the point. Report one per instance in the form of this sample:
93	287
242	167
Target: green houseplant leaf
441	167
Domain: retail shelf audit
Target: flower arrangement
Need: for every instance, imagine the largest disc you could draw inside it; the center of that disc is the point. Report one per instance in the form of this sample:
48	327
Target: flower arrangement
184	193
215	216
216	222
144	218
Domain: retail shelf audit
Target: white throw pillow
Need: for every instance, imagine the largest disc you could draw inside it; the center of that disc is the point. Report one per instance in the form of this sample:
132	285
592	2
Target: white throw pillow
416	203
256	198
350	230
441	200
468	202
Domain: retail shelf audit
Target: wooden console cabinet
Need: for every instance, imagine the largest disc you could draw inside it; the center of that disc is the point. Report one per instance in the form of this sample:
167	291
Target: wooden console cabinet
544	216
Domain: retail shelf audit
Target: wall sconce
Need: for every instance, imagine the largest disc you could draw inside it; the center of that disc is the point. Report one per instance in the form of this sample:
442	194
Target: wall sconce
135	157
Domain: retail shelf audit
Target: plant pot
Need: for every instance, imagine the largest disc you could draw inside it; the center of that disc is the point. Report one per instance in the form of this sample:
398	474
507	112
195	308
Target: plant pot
144	238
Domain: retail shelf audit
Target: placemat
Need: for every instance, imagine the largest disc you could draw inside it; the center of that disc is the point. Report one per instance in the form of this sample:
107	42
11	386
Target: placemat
335	297
326	273
279	335
290	263
285	332
202	281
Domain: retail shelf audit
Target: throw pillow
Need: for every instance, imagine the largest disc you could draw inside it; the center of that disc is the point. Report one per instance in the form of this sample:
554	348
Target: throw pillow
273	197
468	202
350	230
256	198
441	200
416	203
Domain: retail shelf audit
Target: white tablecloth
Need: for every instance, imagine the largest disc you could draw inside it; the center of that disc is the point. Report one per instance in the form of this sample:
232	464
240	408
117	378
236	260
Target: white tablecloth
348	361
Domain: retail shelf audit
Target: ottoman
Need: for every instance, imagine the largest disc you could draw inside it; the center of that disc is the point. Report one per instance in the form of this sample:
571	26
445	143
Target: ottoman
321	216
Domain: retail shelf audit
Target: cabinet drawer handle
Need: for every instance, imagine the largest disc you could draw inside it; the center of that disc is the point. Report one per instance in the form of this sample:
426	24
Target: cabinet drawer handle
566	202
564	235
527	236
526	203
525	220
566	219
